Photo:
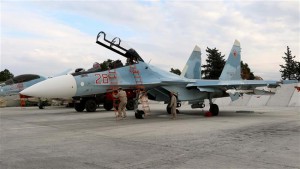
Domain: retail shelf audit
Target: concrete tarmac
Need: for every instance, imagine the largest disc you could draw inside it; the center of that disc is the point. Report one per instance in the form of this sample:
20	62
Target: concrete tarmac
240	137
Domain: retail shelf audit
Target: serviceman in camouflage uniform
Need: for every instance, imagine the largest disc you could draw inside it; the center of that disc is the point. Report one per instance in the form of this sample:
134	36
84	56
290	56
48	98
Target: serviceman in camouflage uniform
123	101
173	105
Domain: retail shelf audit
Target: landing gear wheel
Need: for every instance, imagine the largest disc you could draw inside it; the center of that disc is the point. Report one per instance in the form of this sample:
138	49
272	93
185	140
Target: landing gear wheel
214	109
41	106
79	107
90	105
139	114
130	105
108	105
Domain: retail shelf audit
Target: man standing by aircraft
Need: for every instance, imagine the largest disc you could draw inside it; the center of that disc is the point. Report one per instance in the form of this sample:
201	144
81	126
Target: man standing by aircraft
123	101
173	105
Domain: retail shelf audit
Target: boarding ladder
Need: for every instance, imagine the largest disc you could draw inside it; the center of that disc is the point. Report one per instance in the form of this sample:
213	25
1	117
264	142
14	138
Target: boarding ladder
139	87
137	77
113	86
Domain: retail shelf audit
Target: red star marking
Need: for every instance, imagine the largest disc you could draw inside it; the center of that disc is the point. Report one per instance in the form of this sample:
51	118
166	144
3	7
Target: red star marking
234	53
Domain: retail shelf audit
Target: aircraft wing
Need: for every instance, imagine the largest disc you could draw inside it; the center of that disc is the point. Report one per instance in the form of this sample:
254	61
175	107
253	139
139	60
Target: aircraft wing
238	83
233	84
237	87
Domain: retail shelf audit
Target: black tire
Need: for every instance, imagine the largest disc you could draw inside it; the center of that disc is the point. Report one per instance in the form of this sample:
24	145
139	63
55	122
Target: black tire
139	114
79	107
41	104
108	105
130	105
90	105
214	109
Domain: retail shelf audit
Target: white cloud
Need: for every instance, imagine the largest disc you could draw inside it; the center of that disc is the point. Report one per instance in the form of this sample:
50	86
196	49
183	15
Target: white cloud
53	35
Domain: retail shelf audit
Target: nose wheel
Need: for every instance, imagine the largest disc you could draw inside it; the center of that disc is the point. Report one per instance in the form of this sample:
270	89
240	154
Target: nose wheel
139	114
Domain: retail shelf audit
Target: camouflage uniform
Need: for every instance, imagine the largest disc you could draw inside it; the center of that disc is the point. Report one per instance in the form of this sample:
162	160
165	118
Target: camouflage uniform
123	101
173	105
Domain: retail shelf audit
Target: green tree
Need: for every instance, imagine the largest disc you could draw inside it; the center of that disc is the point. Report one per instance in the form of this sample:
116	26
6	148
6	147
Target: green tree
175	71
215	64
298	71
246	72
5	75
289	69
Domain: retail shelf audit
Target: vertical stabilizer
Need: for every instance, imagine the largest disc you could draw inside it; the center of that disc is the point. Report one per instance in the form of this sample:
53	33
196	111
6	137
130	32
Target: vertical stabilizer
192	68
232	68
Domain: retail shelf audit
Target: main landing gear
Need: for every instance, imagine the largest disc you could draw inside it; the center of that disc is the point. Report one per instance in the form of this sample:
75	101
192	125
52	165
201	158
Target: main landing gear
214	108
90	105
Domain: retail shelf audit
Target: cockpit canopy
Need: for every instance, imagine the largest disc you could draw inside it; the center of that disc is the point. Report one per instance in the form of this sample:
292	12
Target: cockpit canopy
21	79
116	45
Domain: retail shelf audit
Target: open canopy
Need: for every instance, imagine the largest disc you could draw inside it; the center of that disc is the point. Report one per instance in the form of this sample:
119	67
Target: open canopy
115	44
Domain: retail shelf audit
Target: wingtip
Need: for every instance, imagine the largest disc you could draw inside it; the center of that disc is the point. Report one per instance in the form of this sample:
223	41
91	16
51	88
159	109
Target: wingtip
197	48
237	43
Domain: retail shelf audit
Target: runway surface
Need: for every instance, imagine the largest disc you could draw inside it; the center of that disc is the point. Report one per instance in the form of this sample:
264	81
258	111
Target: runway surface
240	137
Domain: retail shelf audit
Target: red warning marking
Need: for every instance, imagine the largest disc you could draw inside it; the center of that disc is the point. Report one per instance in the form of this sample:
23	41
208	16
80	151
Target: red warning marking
298	88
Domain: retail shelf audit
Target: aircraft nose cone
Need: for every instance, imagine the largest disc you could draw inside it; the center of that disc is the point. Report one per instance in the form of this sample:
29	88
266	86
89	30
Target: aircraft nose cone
56	87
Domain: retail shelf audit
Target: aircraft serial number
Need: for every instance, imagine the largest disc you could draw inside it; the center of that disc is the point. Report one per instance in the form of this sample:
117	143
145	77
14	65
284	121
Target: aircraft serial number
101	79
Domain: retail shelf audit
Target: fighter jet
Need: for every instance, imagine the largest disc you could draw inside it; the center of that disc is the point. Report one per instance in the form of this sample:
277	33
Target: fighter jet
159	83
9	90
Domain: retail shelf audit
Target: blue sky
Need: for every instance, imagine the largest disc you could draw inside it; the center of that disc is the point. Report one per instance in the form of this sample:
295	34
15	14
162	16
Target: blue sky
47	37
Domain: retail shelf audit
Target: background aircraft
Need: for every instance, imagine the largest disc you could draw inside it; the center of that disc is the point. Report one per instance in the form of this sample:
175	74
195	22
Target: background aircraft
9	90
157	82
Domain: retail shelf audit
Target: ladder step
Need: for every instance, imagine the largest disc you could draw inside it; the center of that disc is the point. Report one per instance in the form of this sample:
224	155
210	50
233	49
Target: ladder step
136	75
